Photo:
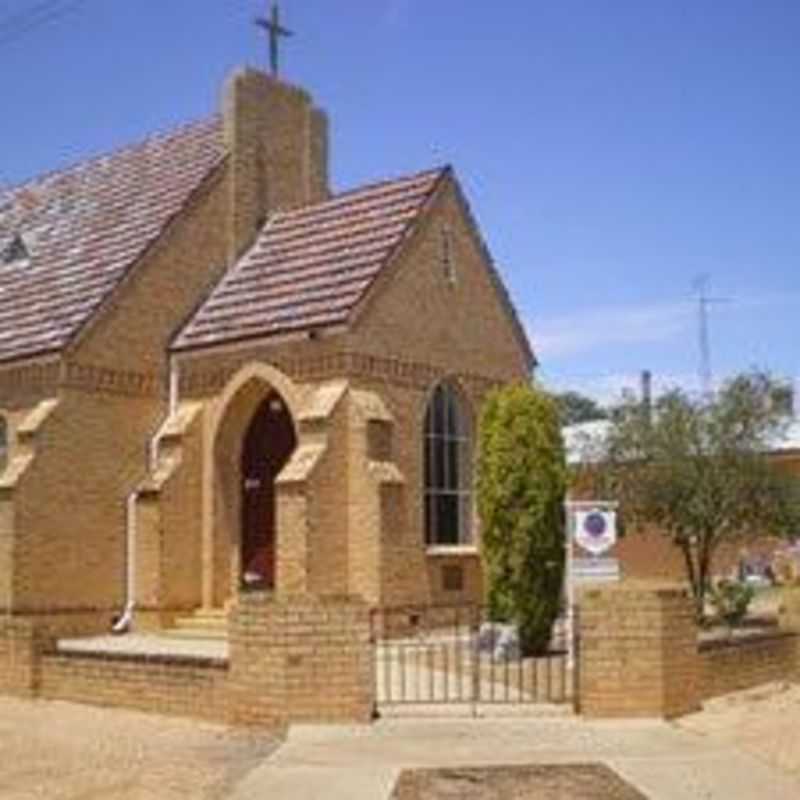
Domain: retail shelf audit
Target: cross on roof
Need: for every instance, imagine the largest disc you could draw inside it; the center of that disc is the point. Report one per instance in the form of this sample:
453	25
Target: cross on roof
276	30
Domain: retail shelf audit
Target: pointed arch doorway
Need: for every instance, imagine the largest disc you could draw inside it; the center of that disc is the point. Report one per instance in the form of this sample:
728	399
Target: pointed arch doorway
269	441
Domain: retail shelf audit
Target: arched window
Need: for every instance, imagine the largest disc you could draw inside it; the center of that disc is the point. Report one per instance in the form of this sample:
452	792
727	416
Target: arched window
448	469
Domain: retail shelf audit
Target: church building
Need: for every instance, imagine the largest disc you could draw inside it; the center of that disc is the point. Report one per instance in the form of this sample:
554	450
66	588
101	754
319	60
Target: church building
217	374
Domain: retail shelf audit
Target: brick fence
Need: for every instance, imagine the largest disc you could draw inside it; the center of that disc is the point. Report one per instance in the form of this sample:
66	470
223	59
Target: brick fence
163	685
300	659
639	653
732	665
292	659
310	659
19	657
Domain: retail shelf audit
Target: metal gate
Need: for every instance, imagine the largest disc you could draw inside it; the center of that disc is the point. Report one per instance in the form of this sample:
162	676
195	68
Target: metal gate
437	655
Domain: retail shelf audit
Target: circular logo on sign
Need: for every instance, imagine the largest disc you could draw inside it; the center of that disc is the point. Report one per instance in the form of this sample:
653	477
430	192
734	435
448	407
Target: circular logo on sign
595	530
595	524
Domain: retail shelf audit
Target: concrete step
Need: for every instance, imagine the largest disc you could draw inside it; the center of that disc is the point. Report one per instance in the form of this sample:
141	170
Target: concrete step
215	634
205	623
202	621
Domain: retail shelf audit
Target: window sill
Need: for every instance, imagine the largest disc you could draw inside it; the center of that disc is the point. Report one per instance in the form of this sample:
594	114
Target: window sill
452	550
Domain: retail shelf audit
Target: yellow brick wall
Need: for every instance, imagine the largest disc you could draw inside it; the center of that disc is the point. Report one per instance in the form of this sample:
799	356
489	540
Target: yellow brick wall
637	652
417	329
67	522
299	659
460	330
24	384
278	151
328	539
92	451
70	504
133	330
731	666
163	686
415	313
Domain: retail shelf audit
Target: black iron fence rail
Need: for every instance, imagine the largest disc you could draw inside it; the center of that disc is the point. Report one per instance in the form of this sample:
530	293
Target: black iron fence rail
436	655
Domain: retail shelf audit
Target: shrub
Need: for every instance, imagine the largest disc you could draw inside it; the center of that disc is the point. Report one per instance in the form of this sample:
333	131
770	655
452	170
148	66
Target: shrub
731	600
521	486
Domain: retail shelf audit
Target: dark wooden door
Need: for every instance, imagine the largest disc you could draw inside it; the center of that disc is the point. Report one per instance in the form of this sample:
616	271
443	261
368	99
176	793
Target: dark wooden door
268	443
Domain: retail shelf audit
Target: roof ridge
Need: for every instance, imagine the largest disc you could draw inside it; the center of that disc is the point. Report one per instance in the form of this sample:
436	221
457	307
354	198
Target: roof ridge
431	172
155	137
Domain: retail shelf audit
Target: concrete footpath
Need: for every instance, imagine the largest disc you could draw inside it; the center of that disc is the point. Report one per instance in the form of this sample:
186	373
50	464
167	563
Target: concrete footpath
663	761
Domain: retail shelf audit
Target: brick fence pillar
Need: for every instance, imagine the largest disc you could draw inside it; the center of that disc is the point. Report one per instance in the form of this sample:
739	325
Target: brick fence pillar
300	659
20	653
638	651
789	617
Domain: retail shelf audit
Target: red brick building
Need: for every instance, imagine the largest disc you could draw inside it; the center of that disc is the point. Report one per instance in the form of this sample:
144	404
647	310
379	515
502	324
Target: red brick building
650	554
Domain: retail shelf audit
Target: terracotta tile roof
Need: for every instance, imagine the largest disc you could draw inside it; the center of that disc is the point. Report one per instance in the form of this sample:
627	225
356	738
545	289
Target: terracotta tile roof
83	227
311	266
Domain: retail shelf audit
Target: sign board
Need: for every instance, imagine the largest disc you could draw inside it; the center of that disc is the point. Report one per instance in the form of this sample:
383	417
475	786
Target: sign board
595	570
596	529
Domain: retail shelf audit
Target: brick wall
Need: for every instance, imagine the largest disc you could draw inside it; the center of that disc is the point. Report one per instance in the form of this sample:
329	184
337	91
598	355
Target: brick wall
65	524
171	685
638	652
69	505
295	659
300	659
278	151
730	666
649	555
19	650
399	357
462	325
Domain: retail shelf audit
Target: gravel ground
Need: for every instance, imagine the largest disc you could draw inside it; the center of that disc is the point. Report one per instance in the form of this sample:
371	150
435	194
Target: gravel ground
764	722
62	751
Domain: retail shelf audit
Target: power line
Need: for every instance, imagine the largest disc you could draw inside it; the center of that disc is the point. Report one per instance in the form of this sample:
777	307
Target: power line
16	26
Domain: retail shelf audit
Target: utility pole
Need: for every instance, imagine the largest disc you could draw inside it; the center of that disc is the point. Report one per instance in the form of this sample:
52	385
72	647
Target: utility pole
701	286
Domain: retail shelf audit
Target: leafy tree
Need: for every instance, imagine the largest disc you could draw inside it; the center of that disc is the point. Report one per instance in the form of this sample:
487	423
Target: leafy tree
521	485
698	471
574	407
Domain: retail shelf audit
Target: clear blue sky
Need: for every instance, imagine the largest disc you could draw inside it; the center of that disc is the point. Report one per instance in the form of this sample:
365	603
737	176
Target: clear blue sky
612	150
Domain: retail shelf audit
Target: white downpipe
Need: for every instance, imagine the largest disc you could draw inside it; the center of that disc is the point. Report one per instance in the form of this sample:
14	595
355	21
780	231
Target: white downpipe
123	624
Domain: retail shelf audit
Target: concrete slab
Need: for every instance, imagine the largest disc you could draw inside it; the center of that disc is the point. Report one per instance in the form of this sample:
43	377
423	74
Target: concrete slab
663	761
139	645
331	783
726	776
